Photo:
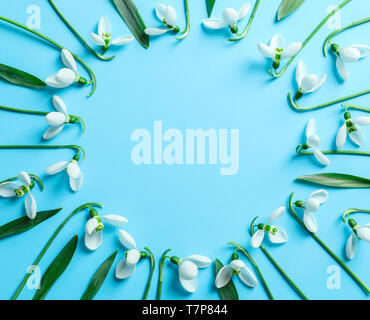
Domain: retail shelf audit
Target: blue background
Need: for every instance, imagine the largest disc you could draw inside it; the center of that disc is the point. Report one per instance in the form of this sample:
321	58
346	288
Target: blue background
201	82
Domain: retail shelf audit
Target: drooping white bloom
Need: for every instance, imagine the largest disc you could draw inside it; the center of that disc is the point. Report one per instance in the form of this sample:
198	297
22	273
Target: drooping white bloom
188	270
103	38
230	18
13	189
167	15
276	234
308	82
349	54
94	229
313	142
73	171
276	50
311	205
57	120
127	266
65	76
358	233
236	267
352	127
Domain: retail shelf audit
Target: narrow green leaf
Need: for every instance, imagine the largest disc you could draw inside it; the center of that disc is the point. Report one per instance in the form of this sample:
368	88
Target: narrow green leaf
98	278
130	14
210	4
287	7
229	291
337	180
56	269
20	78
24	224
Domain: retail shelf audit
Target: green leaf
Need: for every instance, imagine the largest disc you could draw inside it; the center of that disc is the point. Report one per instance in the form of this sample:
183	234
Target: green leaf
130	14
229	291
210	4
287	7
56	269
20	78
337	180
24	224
98	278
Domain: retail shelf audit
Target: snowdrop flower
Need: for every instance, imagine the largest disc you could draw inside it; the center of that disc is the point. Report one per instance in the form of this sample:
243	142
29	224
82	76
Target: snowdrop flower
358	233
311	205
352	127
313	142
188	270
127	266
308	83
276	234
167	15
73	171
94	228
230	18
349	54
103	38
66	76
236	267
276	50
13	189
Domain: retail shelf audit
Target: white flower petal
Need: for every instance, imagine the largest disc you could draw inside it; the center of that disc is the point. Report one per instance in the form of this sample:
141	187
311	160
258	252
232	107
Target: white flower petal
363	49
309	83
156	31
132	256
126	239
98	40
266	50
187	270
277	214
64	78
91	225
341	136
280	237
24	177
59	104
73	170
213	23
123	270
104	26
361	121
321	78
230	16
237	264
320	195
160	10
351	246
363	232
93	240
56	168
357	136
31	207
120	41
310	221
311	128
55	118
189	285
314	141
342	69
115	220
52	81
301	72
223	276
349	54
52	132
321	157
257	238
7	189
199	261
277	42
170	16
248	277
68	60
291	50
243	11
76	183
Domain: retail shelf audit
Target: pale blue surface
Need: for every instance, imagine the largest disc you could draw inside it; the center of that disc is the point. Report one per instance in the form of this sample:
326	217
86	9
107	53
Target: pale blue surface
201	82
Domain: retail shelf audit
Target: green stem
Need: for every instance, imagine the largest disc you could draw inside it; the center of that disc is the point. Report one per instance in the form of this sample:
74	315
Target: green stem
347	152
187	15
336	32
326	248
277	266
79	37
355	107
348	212
246	30
296	107
76	148
275	74
152	267
48	244
55	44
247	254
160	279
